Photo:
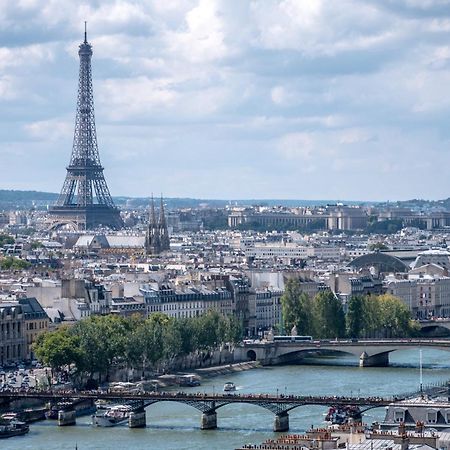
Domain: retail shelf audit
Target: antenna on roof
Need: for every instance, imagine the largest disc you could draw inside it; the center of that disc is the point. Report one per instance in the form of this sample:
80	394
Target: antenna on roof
85	32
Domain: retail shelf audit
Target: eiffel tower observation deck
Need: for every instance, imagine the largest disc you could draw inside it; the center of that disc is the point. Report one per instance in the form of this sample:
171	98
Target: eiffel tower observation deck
85	201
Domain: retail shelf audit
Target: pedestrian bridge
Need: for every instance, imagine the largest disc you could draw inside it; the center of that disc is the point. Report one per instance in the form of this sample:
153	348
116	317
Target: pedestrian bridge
206	403
371	352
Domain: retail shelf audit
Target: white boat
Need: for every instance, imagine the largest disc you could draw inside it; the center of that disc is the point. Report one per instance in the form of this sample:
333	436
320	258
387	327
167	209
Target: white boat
229	387
112	416
103	405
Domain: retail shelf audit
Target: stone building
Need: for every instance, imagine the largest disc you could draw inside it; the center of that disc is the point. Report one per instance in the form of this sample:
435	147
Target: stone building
36	322
426	296
12	340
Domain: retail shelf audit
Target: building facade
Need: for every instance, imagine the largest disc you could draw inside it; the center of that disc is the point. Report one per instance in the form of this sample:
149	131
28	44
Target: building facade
36	322
12	338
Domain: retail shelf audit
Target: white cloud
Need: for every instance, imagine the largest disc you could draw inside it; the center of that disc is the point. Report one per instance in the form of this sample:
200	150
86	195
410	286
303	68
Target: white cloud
278	95
134	96
25	56
8	90
50	130
351	88
297	146
203	38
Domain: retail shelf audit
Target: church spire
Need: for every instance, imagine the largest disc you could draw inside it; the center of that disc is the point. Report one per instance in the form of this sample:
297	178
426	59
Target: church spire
157	236
163	231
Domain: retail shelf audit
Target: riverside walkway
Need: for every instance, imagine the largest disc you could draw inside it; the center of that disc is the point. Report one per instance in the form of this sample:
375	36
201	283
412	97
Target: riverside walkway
206	403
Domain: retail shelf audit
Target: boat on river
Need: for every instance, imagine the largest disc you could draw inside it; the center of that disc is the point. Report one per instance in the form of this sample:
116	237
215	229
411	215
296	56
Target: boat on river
113	416
229	387
10	427
338	415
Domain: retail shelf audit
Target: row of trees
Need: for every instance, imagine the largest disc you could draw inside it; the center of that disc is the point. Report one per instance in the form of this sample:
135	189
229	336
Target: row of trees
13	263
94	345
323	316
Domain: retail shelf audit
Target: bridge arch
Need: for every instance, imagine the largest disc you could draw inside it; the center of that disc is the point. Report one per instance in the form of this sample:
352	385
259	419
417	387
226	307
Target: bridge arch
436	329
70	224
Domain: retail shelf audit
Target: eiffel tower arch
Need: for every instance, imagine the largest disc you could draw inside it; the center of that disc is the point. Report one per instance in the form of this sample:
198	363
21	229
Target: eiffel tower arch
85	198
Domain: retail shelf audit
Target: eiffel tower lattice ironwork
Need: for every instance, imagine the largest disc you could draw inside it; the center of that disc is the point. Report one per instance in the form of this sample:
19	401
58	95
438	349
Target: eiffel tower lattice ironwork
85	200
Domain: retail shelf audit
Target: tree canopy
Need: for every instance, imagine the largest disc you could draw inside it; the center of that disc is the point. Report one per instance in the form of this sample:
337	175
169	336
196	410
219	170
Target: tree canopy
95	344
323	315
6	239
13	263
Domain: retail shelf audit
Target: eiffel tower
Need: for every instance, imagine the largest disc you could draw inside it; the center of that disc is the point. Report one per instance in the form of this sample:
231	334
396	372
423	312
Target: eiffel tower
85	201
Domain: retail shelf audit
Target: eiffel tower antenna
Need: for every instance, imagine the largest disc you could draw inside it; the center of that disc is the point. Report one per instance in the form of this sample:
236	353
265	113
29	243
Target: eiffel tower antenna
85	201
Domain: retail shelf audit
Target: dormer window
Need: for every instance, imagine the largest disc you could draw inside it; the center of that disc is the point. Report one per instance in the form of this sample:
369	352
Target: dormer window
399	415
431	416
447	415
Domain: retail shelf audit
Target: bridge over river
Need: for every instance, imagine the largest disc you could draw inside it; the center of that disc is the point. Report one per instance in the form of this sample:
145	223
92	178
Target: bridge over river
371	352
206	403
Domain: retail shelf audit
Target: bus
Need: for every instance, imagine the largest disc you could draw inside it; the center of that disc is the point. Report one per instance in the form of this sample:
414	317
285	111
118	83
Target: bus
292	338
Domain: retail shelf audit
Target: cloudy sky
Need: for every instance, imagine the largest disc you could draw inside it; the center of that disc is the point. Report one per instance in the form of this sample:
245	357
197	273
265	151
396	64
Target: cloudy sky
307	99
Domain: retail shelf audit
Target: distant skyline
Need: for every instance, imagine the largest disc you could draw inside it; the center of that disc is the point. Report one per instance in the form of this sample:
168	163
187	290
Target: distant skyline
232	99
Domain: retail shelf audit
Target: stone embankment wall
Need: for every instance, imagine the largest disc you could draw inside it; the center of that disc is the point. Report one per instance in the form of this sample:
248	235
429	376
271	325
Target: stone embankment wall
199	360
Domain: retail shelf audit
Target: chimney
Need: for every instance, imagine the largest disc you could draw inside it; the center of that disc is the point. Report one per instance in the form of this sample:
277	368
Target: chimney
404	444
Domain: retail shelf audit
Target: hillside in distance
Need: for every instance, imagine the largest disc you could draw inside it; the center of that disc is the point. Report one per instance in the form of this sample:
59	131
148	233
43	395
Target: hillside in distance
15	200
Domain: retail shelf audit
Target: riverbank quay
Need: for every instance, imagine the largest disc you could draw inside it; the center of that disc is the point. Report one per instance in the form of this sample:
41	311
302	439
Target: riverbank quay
210	372
172	379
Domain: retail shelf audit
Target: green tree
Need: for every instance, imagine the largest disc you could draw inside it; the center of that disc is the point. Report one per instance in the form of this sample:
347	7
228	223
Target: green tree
297	309
13	263
329	316
395	317
58	348
290	303
102	341
378	246
97	343
6	239
355	317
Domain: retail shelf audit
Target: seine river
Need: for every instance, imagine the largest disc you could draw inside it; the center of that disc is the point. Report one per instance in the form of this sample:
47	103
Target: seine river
176	426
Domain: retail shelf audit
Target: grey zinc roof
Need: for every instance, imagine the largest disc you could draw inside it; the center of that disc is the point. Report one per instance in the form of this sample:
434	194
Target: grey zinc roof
126	241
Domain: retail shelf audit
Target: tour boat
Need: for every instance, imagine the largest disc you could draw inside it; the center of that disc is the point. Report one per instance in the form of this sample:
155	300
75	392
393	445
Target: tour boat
112	416
12	427
342	414
229	387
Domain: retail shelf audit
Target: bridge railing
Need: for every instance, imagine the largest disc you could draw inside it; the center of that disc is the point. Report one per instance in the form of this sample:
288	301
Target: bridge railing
438	387
202	397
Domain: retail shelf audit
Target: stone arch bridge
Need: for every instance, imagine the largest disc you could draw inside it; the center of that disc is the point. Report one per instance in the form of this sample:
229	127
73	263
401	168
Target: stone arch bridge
435	325
371	352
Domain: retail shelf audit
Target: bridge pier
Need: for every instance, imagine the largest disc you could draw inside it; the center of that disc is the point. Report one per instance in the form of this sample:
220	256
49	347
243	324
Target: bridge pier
66	417
281	422
208	420
379	360
137	419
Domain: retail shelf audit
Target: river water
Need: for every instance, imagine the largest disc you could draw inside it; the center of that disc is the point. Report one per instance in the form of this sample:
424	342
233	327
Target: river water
176	426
